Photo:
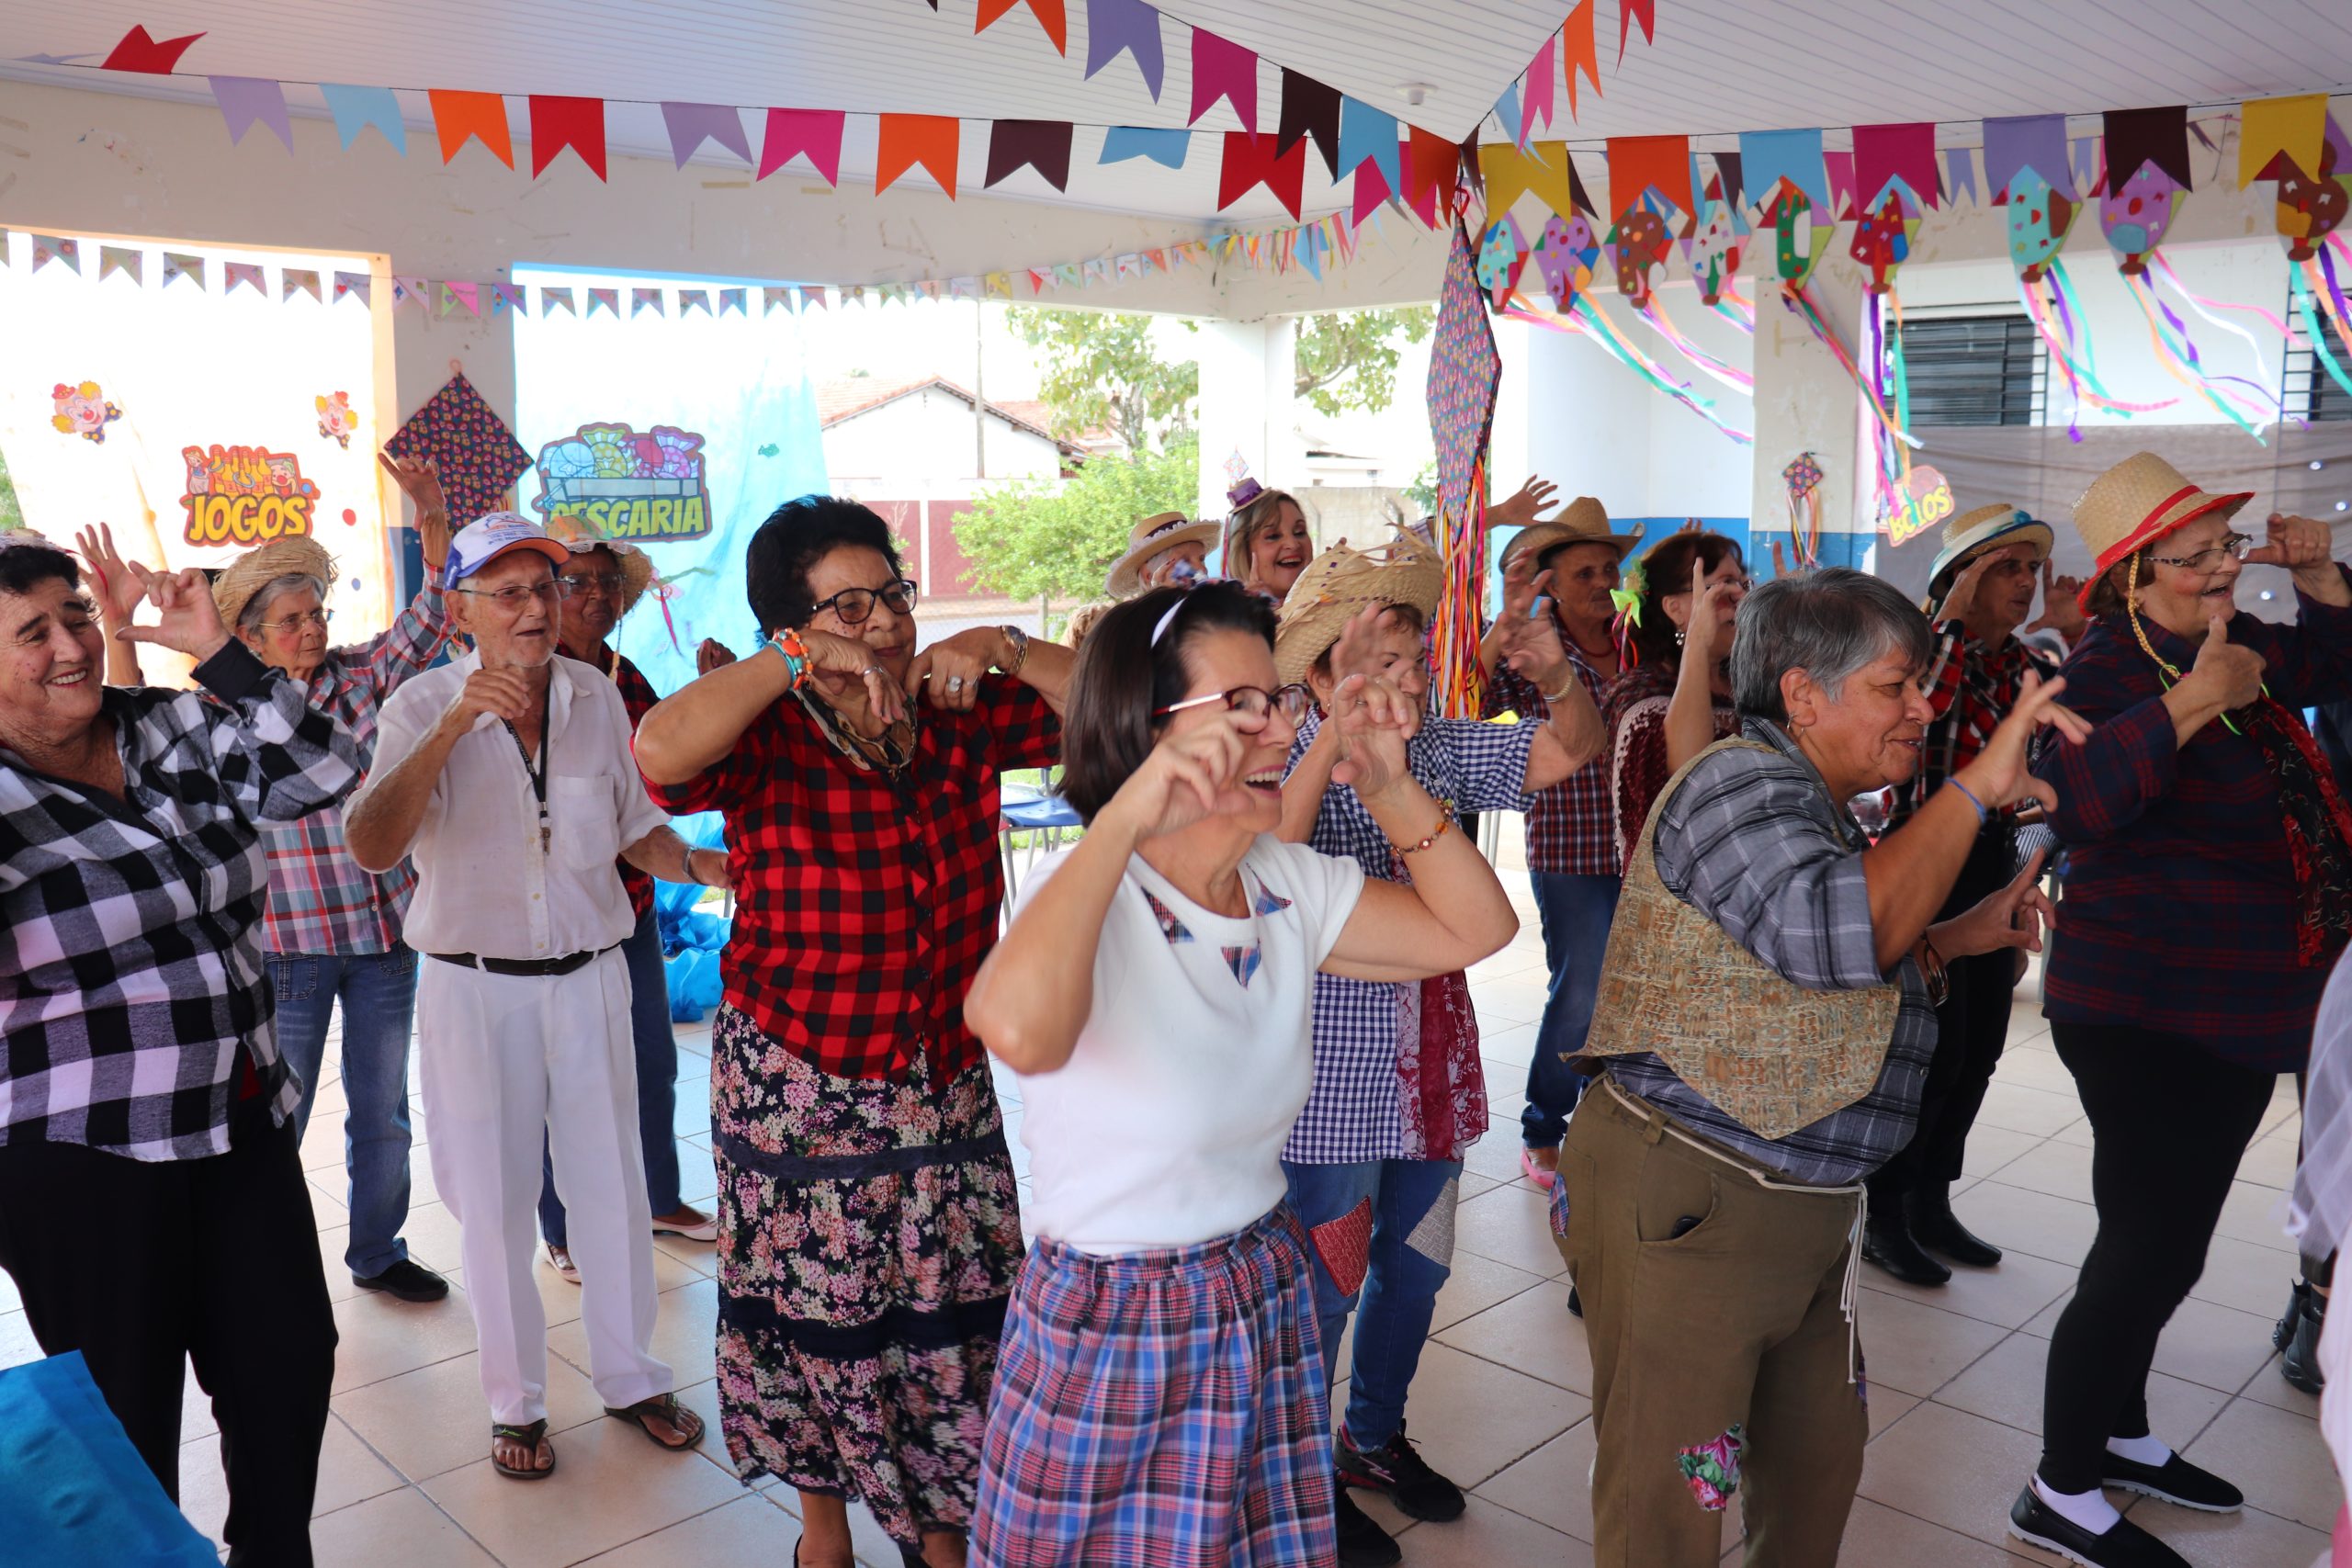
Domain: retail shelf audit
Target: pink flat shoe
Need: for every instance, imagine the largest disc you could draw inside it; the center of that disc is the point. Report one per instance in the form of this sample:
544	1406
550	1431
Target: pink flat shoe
1533	1172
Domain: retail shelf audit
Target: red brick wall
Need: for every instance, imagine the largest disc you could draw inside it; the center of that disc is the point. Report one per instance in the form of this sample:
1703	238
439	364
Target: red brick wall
951	568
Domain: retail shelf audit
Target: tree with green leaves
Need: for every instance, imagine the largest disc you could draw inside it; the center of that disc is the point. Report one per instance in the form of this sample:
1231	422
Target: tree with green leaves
1104	372
1038	539
12	516
1348	359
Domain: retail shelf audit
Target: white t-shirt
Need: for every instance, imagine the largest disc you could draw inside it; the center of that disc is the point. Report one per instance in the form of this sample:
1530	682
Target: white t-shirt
1166	1127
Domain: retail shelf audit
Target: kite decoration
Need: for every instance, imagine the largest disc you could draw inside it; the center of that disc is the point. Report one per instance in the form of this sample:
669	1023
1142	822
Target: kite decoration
1465	369
1637	244
1565	254
1802	477
1714	242
1502	258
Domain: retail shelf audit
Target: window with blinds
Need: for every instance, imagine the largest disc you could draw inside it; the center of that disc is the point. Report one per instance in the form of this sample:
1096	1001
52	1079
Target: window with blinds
1973	369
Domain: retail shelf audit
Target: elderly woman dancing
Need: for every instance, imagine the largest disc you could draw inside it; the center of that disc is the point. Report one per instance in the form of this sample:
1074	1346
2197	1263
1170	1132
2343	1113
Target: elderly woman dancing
153	1209
1763	1032
868	1228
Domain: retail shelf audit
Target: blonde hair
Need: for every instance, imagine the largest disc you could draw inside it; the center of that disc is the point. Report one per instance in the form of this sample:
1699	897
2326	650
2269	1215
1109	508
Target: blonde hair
1242	530
1081	621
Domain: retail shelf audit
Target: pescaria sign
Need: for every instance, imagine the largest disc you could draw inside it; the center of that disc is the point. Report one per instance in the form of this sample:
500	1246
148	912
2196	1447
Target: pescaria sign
245	495
644	488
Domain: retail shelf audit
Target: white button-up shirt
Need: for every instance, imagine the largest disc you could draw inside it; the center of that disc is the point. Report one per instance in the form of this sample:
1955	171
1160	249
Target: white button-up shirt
484	885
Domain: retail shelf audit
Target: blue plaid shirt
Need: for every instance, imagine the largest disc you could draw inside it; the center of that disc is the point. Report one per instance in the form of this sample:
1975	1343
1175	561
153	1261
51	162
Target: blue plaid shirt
1354	1113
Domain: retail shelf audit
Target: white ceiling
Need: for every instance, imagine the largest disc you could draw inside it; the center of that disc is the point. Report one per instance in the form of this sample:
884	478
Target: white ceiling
1717	67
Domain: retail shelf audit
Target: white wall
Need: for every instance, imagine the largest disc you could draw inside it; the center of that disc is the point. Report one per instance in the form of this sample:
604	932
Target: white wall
925	437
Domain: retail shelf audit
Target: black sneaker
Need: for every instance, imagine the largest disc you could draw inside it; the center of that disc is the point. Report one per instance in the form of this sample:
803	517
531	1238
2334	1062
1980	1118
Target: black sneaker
2124	1545
2174	1480
408	1279
2297	1339
1397	1468
1363	1543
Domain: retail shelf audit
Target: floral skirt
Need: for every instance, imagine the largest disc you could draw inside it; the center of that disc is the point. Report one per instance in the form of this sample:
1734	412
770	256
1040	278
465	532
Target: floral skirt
868	1238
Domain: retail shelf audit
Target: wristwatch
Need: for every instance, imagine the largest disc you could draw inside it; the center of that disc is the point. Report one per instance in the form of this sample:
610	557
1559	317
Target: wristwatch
1020	641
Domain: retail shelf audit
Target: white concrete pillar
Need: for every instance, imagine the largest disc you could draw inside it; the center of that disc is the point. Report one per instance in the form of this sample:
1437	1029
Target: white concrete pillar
1804	401
1235	369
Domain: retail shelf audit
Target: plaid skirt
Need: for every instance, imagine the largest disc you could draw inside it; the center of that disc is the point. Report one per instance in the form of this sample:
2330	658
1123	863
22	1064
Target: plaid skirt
1163	1409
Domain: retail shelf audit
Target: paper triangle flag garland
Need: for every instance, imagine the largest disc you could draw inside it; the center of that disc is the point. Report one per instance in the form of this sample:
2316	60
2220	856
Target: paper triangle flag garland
357	108
812	299
813	134
1309	108
1577	53
1889	155
248	100
608	299
905	141
557	299
730	299
1048	13
1632	11
2295	128
1371	190
1536	103
1543	169
1251	161
691	125
640	299
772	300
351	284
508	296
1166	148
2034	143
466	293
1113	27
2135	137
177	266
1039	144
410	291
1223	69
1769	158
241	275
115	258
48	248
1960	175
1431	162
291	282
136	51
1367	135
458	116
478	455
560	122
694	299
1507	115
1638	163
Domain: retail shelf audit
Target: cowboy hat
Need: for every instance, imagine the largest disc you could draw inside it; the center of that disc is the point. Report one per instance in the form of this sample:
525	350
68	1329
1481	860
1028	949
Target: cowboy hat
579	537
1337	585
1159	531
1583	521
2136	503
296	554
1972	534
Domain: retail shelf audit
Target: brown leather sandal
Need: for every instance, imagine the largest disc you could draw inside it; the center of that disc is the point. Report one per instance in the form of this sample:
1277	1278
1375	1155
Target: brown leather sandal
535	1434
666	1407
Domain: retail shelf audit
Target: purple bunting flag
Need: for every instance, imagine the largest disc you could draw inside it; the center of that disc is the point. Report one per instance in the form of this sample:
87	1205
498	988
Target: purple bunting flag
610	298
643	299
2033	141
691	125
730	299
694	299
1113	27
773	298
509	297
555	298
247	101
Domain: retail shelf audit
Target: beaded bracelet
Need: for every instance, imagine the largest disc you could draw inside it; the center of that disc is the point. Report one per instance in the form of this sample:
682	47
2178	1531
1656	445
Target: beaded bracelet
1444	823
796	656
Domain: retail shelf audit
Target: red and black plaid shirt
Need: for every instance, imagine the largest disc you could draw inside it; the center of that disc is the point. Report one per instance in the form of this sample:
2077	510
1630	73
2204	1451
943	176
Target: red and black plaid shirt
1569	830
863	907
637	696
1972	690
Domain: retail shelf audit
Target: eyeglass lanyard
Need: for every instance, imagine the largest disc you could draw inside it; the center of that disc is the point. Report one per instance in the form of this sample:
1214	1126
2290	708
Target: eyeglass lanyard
538	776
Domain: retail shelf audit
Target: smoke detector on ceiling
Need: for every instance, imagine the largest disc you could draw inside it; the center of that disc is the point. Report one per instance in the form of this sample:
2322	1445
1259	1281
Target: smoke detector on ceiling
1415	92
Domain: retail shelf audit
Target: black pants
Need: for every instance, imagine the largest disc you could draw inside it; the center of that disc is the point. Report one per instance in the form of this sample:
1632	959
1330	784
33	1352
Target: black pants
1970	1027
2169	1121
143	1265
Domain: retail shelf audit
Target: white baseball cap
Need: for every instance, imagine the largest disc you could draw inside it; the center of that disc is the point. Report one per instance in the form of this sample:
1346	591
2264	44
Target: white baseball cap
492	535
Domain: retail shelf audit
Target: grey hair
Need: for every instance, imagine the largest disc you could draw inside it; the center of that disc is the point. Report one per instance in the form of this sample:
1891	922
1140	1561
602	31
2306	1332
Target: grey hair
258	605
1831	624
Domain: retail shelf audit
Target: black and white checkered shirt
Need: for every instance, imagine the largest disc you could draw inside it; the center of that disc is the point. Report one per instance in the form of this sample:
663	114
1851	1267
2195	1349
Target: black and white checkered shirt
130	966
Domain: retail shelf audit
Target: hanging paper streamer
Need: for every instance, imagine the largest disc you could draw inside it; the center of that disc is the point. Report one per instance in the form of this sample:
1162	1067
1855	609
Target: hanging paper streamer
2311	331
1803	476
2179	359
2314	183
1587	320
1465	368
2057	316
1739	380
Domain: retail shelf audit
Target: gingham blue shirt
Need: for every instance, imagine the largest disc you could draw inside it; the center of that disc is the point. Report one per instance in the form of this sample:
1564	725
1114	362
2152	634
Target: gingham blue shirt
1354	1113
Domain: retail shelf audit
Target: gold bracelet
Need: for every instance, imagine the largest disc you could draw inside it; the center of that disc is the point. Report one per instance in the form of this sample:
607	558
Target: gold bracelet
1444	824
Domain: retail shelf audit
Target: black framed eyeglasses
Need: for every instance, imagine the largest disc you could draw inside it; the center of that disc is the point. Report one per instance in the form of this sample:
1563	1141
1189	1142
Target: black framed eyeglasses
1255	701
853	605
579	585
2234	545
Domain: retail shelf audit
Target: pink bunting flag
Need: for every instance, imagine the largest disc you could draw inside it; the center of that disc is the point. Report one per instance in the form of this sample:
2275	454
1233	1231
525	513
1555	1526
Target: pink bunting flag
241	275
813	134
1223	69
642	299
694	299
691	125
1884	155
454	294
1535	96
509	297
813	298
608	298
247	101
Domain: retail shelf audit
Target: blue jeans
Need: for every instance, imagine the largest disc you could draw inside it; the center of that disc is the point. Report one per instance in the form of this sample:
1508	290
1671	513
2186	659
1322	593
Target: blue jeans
657	1085
1577	910
1409	1252
379	995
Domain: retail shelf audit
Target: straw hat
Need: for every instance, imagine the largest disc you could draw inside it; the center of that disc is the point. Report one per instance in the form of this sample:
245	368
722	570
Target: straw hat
256	568
1337	585
1584	522
1972	534
579	536
2136	503
1160	531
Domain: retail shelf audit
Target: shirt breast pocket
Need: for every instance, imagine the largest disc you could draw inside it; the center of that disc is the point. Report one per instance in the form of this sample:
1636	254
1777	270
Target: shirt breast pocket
585	816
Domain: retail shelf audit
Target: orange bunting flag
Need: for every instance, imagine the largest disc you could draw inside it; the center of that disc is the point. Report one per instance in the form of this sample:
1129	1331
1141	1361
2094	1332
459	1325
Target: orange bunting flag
1431	164
457	117
558	123
1577	53
1251	161
1637	163
907	140
1048	13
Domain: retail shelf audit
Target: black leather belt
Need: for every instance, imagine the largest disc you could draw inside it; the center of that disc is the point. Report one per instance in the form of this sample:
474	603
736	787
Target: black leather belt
527	967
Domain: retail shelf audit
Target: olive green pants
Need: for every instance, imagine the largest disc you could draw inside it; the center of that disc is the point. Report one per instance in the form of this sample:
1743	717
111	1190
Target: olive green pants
1719	1355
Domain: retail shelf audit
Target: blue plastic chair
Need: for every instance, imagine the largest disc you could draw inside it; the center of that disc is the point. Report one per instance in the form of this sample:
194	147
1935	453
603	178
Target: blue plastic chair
72	1487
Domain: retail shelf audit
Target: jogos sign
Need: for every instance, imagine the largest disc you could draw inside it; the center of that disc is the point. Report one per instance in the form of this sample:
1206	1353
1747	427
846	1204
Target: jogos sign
244	495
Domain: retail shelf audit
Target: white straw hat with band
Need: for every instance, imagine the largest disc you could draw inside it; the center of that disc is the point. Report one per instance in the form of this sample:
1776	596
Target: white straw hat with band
1160	532
2137	503
1337	586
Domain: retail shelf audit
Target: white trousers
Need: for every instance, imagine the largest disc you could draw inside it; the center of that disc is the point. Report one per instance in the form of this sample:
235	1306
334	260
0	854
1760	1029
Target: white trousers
503	1058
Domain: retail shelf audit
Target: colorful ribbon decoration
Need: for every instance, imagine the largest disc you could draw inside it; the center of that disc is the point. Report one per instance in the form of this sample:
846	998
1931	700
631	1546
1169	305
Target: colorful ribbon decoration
1739	380
1460	682
1585	319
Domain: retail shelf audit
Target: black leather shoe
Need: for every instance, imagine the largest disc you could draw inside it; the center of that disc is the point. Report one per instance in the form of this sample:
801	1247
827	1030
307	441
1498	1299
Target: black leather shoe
2175	1480
1888	1244
1936	1227
408	1279
2124	1545
1576	1302
1363	1543
2297	1337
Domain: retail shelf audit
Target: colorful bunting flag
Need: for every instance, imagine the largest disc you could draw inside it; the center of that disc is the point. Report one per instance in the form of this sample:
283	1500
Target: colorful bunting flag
509	297
1578	54
1430	163
1048	13
1039	144
2137	136
1885	155
1960	175
730	299
1223	69
1536	103
1132	26
247	100
1309	108
408	290
2293	127
813	298
1639	163
609	299
1251	161
907	140
48	248
643	299
111	260
813	134
1632	11
774	300
136	51
177	266
693	299
1371	190
1544	168
241	275
351	285
2087	161
458	292
292	281
555	298
1506	114
1769	157
1367	134
691	125
461	117
2034	143
357	108
561	122
1166	148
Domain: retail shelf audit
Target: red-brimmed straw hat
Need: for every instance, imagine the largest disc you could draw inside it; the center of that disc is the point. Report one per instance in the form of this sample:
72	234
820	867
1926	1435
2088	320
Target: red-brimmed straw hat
2136	503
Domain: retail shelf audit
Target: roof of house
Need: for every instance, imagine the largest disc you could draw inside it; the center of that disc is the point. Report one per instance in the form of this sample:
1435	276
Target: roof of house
854	395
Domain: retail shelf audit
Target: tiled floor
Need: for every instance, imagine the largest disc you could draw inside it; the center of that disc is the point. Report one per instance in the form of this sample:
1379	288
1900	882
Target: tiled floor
1502	1403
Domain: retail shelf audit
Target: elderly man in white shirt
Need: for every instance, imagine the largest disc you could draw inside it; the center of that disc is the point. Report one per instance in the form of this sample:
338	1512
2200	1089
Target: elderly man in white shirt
507	775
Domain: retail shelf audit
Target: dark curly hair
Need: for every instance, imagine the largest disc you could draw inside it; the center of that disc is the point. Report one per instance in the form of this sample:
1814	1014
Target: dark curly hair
1665	570
23	566
796	536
